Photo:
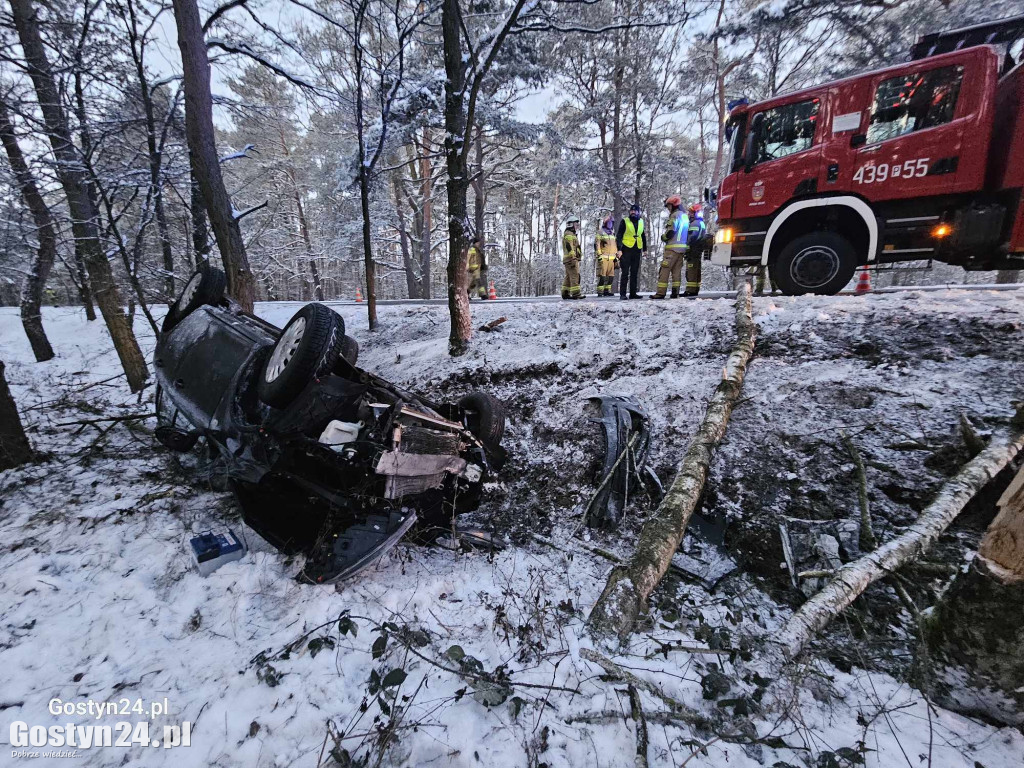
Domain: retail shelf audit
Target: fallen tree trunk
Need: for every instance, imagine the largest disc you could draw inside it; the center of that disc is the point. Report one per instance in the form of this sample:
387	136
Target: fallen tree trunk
853	578
970	651
630	585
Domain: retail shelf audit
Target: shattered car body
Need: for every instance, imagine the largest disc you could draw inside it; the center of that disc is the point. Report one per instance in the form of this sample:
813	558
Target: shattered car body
327	460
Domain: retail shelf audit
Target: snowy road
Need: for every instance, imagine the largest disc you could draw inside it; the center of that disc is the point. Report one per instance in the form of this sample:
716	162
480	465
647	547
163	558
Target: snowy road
705	295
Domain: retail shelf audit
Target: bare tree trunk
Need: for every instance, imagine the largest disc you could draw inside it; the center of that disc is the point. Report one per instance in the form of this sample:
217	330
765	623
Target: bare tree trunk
300	212
81	275
363	174
74	180
314	273
368	263
427	207
14	446
555	244
480	203
720	75
197	211
853	578
455	132
479	190
35	282
617	78
967	637
411	278
203	150
629	587
154	148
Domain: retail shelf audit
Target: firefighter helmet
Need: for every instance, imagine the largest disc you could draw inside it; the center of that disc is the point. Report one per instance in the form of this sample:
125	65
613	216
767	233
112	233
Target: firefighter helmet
674	201
695	209
608	226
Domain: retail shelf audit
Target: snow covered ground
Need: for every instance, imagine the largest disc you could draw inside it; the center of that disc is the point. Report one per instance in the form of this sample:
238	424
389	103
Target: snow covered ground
100	600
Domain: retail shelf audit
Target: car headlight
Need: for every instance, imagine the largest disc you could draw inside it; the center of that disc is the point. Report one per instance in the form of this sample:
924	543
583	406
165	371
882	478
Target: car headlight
724	235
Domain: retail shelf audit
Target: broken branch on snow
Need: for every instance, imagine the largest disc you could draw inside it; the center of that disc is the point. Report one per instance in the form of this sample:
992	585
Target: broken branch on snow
488	327
629	586
867	535
854	577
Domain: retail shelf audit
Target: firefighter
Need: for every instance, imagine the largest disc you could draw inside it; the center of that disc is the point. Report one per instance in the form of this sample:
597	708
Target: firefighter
759	283
696	237
606	256
632	243
674	237
572	254
475	267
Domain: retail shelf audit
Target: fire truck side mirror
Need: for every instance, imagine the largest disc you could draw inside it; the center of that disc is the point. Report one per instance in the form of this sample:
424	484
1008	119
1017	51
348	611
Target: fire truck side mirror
858	140
750	146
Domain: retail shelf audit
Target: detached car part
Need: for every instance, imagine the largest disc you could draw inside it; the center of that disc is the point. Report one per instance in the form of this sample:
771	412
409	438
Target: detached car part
327	460
627	441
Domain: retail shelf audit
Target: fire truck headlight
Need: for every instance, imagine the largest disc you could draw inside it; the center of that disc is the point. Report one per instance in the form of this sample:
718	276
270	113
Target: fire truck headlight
724	235
942	230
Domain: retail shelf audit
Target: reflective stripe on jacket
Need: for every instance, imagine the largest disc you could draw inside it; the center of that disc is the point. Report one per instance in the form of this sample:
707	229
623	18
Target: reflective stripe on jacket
634	236
675	232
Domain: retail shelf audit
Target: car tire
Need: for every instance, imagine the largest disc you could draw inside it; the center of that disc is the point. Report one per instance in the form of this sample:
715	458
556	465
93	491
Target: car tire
350	349
818	262
205	287
308	348
485	417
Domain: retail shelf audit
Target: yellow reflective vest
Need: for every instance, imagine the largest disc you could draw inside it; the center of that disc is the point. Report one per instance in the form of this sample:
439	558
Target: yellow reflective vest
633	236
473	259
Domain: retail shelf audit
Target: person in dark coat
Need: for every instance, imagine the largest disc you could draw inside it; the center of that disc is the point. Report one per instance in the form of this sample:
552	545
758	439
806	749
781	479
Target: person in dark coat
632	242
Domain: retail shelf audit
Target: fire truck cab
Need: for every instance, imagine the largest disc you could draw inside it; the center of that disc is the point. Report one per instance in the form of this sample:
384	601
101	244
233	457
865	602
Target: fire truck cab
924	160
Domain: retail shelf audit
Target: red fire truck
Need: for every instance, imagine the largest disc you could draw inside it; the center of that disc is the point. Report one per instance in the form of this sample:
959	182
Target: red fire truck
920	161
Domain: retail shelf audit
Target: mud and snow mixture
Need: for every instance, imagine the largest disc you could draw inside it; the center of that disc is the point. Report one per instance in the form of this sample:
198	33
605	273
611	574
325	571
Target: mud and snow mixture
442	657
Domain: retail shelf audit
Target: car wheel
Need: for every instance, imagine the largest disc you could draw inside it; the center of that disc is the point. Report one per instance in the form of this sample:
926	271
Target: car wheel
485	417
350	349
818	262
308	348
206	287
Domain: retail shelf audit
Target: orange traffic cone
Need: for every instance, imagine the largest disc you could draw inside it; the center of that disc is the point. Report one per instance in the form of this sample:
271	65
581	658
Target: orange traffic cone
863	283
359	295
491	293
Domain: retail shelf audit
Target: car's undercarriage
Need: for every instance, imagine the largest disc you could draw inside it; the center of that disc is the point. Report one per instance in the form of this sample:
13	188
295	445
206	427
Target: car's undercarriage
328	461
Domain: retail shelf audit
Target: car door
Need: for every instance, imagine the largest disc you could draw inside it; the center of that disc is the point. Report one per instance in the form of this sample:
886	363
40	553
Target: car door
913	133
783	157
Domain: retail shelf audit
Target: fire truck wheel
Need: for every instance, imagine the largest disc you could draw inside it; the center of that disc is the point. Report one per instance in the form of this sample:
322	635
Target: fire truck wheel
818	262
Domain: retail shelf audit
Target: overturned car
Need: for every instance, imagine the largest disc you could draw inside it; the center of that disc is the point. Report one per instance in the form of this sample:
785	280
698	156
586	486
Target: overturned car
327	460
